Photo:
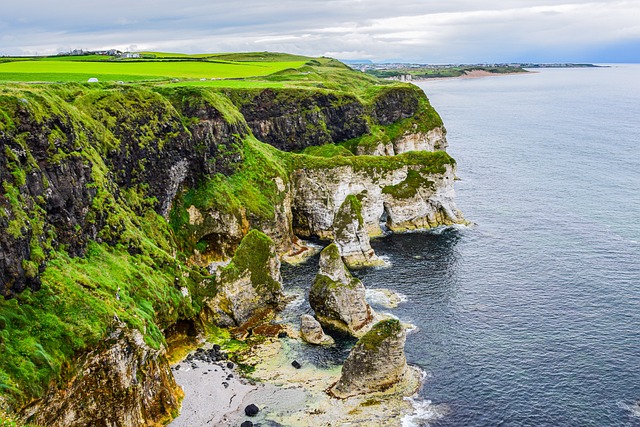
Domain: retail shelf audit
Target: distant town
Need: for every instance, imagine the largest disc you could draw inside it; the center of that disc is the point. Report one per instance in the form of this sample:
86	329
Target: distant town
408	72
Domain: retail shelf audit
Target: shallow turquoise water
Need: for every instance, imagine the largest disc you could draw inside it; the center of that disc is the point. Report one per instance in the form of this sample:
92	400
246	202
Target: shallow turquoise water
532	316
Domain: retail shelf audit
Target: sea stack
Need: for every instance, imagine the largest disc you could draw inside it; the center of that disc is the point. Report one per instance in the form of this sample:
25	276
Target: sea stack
337	297
375	363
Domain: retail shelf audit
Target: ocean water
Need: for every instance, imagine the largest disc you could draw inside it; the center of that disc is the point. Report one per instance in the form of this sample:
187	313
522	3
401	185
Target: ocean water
530	317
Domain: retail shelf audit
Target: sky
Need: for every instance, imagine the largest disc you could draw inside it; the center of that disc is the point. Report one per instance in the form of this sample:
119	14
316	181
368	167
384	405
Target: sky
425	31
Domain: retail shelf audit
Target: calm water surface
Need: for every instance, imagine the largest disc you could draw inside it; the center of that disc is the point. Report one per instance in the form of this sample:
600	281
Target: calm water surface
531	317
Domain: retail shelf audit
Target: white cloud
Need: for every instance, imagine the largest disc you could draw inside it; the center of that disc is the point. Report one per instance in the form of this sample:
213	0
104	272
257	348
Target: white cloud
452	31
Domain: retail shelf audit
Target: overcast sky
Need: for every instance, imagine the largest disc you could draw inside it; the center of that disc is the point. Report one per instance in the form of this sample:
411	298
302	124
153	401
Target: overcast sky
444	31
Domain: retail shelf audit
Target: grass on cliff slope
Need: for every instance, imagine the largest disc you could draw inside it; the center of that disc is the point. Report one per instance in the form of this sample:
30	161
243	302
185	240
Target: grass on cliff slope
41	332
78	303
251	189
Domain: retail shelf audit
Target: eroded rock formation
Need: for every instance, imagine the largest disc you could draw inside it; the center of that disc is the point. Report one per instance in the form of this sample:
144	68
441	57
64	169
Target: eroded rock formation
351	235
311	331
250	282
375	363
410	197
123	382
337	297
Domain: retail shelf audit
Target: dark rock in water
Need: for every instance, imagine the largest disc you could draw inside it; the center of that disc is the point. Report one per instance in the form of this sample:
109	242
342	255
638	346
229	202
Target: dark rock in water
225	384
177	368
296	365
246	424
216	347
251	410
230	365
283	334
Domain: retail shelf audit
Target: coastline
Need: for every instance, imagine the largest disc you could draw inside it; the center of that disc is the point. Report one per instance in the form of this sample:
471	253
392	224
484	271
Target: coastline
216	393
284	394
475	74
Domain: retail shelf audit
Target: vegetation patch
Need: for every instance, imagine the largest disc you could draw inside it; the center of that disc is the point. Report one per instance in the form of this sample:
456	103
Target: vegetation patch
410	186
380	332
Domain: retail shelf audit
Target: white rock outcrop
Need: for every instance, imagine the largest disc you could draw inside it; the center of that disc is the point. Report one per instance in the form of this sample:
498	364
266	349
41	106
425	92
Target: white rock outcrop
351	235
408	203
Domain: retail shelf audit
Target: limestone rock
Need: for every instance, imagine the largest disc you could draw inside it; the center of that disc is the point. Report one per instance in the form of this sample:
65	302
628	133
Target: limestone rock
338	298
375	363
250	282
311	331
433	140
414	140
351	235
123	382
320	192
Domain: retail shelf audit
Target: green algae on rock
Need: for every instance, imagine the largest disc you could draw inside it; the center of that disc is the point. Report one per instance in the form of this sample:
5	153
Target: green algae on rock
249	283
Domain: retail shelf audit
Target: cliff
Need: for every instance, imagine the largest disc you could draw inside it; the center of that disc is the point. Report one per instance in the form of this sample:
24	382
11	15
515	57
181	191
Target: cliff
117	199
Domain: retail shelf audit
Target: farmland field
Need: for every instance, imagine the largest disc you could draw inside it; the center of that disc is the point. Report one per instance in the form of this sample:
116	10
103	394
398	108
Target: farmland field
73	69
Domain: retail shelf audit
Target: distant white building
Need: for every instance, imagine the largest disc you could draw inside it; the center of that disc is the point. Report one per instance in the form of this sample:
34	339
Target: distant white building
92	80
127	55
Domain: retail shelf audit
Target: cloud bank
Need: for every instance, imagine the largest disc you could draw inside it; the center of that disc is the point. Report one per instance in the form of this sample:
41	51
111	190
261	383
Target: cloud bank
412	30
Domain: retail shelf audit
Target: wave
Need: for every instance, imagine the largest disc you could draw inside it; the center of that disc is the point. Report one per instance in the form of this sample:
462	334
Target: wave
633	409
385	297
424	412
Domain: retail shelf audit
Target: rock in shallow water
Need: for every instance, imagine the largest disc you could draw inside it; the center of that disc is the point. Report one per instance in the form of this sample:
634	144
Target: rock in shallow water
251	410
375	363
338	298
311	331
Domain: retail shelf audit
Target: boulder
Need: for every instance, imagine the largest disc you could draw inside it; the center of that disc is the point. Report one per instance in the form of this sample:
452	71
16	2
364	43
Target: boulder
251	410
250	283
338	298
375	363
351	234
311	331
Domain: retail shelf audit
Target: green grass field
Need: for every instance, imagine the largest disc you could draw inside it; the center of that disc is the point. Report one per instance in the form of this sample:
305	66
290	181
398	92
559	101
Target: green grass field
163	67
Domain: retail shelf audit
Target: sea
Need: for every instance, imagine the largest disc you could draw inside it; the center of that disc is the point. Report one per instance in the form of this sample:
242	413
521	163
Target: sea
530	316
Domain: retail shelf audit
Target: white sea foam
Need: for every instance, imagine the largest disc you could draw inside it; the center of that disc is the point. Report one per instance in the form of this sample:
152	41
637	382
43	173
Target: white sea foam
387	262
634	408
385	297
424	412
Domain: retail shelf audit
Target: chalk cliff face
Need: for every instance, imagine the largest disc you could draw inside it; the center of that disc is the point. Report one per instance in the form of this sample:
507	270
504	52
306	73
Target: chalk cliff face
411	140
351	234
402	195
249	283
122	383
